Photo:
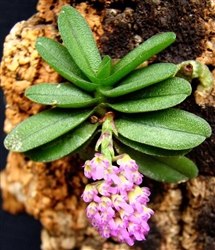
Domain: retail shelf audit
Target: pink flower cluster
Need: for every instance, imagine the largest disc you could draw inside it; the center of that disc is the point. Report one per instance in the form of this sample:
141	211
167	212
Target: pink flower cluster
118	206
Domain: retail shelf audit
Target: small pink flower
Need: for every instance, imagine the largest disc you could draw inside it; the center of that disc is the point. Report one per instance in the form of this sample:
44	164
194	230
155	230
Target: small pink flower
126	163
120	203
91	210
90	193
87	169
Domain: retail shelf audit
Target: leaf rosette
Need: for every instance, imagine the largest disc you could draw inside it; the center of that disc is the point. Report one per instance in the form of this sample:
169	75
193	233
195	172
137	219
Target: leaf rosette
155	134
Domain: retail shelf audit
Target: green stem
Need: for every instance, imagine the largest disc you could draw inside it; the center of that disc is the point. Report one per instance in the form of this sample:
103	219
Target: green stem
106	140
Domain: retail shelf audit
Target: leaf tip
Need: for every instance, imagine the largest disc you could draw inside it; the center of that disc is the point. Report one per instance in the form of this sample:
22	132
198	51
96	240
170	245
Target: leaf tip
38	43
13	142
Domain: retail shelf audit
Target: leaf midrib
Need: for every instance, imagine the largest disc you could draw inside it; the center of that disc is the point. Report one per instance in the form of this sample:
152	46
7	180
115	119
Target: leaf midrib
79	45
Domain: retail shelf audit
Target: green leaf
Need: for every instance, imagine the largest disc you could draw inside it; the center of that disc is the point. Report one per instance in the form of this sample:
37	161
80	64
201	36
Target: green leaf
104	68
44	127
150	150
142	78
64	145
133	59
62	95
57	56
171	129
165	169
162	95
79	41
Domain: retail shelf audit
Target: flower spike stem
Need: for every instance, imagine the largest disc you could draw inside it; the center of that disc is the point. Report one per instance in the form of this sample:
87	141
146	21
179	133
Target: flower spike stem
105	140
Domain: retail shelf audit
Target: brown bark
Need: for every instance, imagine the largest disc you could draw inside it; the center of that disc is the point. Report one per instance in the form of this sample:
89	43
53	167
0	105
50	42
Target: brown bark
184	213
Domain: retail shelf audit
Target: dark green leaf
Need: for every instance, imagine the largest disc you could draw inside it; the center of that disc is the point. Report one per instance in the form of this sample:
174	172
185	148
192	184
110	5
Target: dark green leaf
63	145
60	95
166	169
150	150
104	68
142	78
79	41
44	127
57	56
133	59
171	129
159	96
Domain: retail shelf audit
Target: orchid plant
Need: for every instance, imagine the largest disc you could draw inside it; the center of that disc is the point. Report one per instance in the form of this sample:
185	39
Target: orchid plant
123	113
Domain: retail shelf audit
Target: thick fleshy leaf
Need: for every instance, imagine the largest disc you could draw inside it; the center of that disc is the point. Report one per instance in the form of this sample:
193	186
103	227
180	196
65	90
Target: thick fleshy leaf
165	169
57	56
162	95
104	68
133	59
150	150
62	95
64	145
171	129
142	78
44	127
79	41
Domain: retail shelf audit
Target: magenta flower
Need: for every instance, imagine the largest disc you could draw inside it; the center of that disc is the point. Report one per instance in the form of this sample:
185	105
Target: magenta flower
118	206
